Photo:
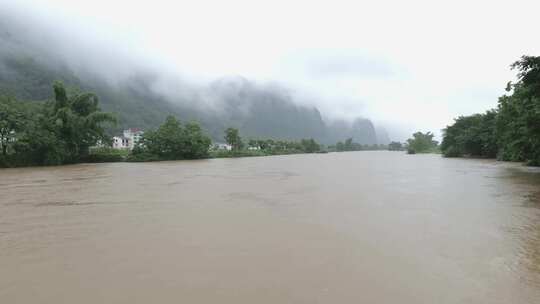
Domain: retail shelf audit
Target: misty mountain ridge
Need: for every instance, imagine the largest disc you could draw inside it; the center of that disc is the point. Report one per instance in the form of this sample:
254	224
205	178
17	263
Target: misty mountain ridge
143	99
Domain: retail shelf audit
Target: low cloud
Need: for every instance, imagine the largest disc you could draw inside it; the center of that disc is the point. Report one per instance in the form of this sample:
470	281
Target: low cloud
349	66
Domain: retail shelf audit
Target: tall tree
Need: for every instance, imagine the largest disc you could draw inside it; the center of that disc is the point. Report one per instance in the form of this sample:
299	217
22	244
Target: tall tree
79	121
232	137
518	120
196	143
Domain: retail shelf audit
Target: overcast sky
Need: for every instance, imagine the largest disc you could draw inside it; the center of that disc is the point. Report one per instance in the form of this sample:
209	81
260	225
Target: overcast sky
410	65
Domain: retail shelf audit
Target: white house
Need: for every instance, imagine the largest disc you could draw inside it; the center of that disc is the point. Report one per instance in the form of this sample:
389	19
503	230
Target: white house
120	142
222	146
128	140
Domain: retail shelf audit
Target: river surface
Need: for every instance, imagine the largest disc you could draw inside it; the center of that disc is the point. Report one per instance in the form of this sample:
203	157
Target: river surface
359	227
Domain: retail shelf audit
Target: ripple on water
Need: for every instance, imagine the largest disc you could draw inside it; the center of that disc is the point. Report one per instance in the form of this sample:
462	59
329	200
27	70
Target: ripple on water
532	200
83	178
526	237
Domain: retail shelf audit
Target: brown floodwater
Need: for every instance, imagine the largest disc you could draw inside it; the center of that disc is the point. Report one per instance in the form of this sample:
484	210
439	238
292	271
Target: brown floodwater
359	227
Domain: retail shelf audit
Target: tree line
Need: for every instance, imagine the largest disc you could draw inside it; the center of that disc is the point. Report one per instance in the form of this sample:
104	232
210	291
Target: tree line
174	141
261	147
71	128
510	132
350	145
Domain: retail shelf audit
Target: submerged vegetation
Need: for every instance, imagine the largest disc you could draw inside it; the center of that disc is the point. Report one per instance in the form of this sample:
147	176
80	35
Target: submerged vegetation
351	145
510	132
422	143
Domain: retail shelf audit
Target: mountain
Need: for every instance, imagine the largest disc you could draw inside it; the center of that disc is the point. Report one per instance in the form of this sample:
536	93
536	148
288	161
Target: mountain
382	136
28	70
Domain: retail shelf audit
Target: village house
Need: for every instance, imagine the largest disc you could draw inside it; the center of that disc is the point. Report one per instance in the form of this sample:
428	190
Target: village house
222	146
128	140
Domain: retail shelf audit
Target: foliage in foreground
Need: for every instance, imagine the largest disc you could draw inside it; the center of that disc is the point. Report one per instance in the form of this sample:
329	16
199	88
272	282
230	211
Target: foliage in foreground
55	132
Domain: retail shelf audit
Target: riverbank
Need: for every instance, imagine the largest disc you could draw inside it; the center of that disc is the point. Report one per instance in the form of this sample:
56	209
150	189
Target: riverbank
123	156
110	155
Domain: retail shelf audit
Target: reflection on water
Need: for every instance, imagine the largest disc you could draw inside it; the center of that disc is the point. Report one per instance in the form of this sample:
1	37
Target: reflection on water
373	227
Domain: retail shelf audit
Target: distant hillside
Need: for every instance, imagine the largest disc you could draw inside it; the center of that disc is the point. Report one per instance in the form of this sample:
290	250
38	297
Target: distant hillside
257	110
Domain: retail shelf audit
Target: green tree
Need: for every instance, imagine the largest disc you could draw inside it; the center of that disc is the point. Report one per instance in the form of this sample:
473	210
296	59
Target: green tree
52	133
518	119
172	141
471	136
422	143
79	121
232	137
196	143
510	132
39	143
167	141
309	145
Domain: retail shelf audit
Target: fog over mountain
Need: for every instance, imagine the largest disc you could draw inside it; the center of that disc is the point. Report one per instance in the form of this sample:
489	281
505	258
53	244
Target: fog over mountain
34	54
407	66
